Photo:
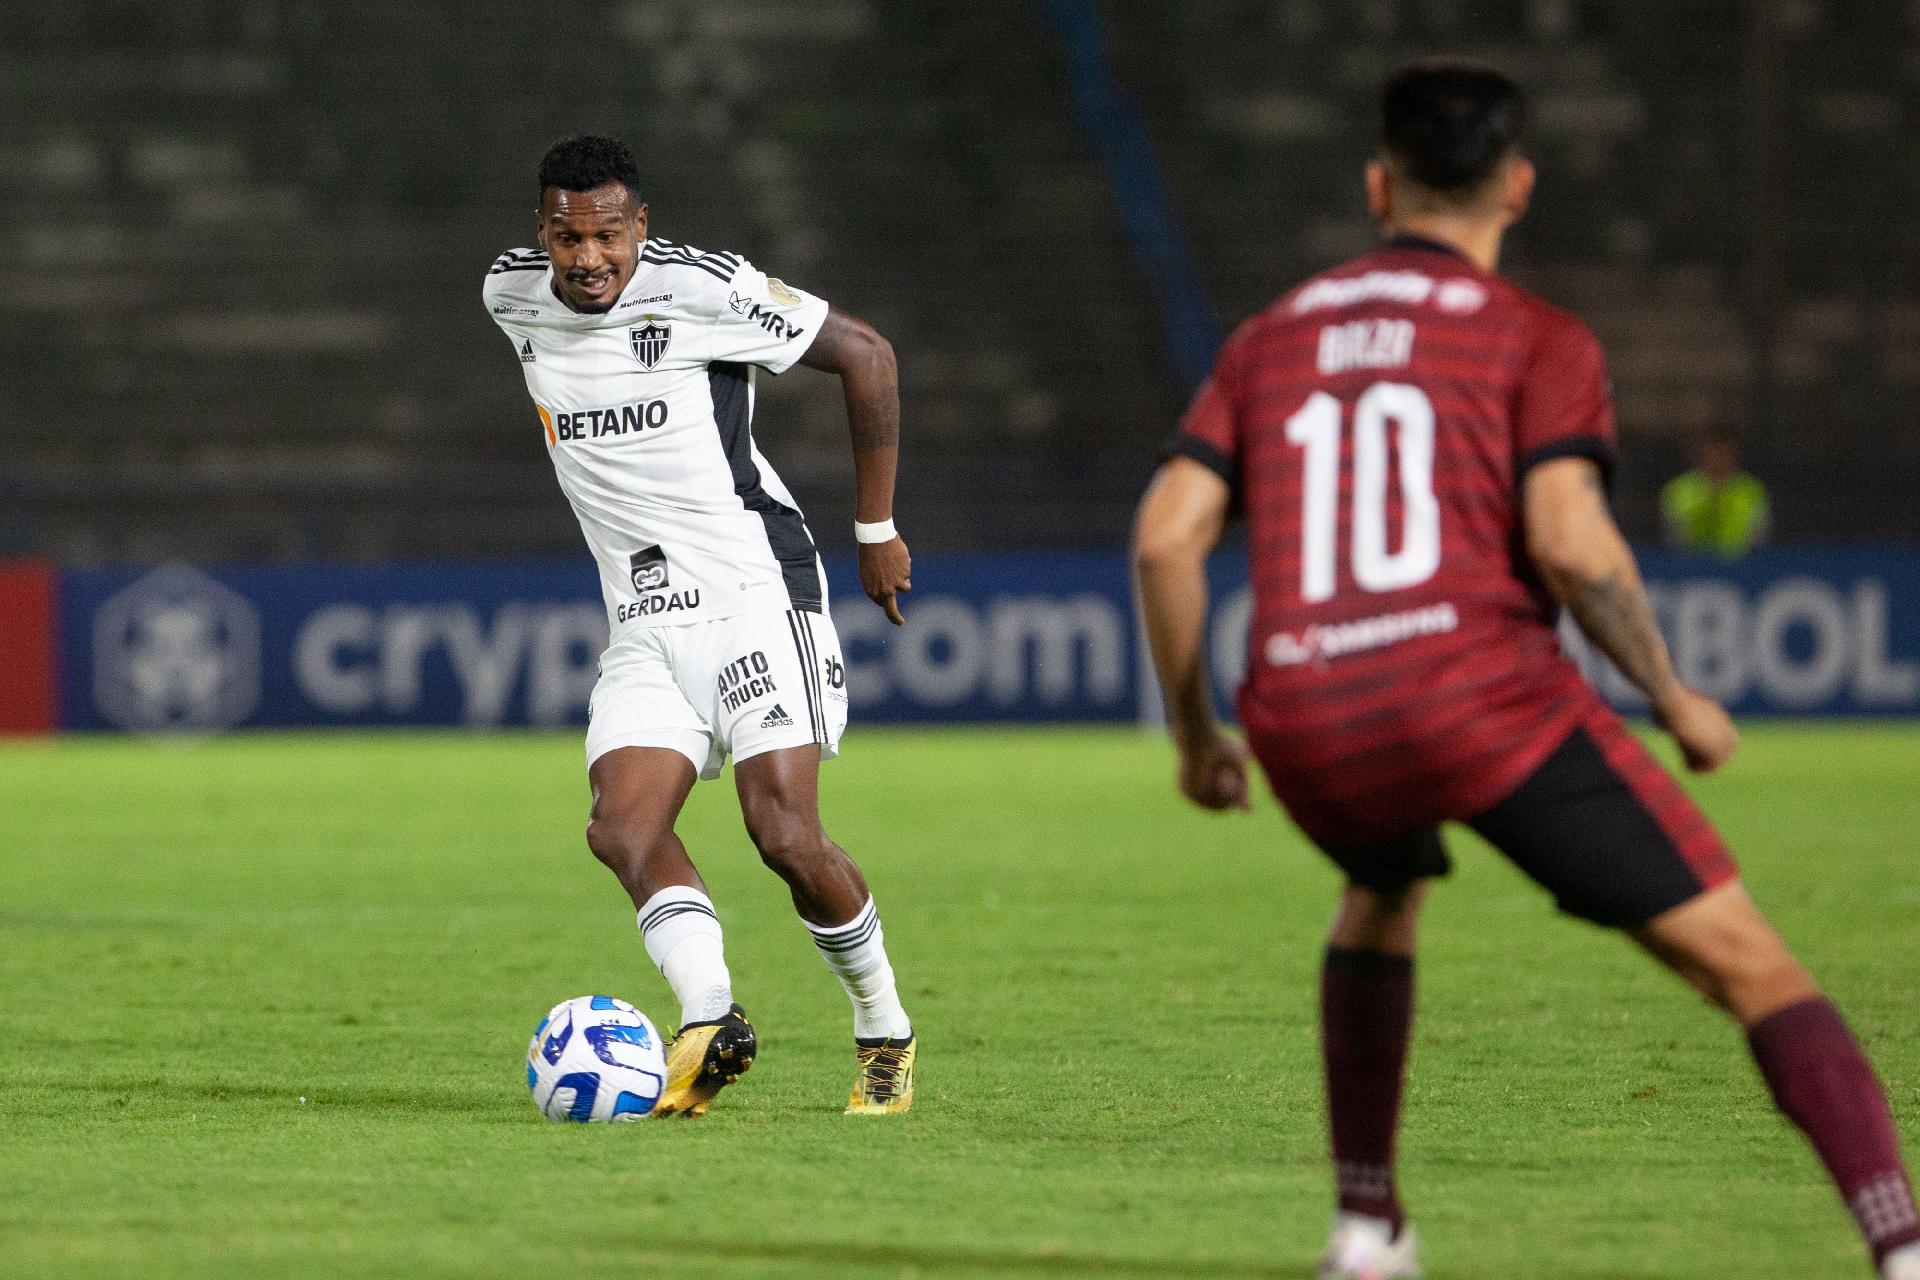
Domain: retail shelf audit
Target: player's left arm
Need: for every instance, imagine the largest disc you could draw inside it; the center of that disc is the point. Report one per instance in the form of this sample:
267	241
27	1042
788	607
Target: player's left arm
850	347
1179	522
1588	566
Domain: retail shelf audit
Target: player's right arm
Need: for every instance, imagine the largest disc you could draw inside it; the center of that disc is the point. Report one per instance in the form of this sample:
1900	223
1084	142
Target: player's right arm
849	348
1180	520
1582	557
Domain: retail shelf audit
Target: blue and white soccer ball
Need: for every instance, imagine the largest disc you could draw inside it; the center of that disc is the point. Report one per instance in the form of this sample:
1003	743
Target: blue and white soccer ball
594	1059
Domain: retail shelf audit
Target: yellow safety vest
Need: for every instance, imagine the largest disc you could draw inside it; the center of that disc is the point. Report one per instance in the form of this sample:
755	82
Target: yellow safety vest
1723	520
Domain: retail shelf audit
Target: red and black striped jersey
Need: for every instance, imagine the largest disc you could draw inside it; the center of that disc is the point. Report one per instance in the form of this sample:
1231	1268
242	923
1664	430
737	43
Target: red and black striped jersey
1375	424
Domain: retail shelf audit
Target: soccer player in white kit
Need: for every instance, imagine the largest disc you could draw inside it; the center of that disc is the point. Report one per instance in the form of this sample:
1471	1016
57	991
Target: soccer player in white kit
640	355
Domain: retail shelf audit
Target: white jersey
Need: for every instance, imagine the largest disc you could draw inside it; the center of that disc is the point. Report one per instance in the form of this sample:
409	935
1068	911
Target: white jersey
648	412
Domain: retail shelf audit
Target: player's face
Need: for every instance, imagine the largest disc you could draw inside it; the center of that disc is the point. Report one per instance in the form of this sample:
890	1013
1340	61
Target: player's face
593	238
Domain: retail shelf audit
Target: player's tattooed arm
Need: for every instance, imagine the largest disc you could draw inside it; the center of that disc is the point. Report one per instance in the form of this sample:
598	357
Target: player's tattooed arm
1615	613
848	346
1587	564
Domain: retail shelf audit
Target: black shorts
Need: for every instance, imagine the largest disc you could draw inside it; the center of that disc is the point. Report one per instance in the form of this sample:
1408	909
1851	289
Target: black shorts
1600	825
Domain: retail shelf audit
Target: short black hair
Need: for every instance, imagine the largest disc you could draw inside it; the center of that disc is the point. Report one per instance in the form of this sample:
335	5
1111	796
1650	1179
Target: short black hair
583	161
1449	124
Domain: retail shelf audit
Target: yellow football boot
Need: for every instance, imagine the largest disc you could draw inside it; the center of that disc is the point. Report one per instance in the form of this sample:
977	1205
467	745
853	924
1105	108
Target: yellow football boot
703	1059
885	1082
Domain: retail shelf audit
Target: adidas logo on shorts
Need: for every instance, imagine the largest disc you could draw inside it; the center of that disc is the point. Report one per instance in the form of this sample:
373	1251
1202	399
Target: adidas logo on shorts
777	718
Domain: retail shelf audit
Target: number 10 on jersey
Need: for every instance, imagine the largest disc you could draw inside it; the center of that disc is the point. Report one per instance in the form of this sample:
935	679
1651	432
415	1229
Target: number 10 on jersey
1316	429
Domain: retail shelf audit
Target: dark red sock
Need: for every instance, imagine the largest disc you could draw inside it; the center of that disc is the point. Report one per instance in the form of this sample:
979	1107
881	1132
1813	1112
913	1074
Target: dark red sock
1825	1085
1366	1016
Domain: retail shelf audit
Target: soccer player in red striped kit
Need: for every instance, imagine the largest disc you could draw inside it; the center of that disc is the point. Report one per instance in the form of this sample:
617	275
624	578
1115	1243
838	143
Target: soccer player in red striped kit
1421	450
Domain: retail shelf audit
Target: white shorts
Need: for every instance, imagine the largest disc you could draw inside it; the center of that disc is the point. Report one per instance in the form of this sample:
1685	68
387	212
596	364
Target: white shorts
737	686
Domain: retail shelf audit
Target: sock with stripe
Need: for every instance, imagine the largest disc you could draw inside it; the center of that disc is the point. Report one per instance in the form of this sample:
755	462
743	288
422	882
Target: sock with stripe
683	938
856	952
1366	1019
1825	1085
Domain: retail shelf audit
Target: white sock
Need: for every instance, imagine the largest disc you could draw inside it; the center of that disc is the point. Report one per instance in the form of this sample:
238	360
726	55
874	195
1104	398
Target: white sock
683	937
857	953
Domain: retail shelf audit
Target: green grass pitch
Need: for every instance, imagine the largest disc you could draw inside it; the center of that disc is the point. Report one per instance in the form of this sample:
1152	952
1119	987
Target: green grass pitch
1115	996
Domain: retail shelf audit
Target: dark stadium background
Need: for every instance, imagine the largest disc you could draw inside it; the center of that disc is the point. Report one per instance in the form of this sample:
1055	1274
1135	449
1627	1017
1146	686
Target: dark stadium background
245	239
267	465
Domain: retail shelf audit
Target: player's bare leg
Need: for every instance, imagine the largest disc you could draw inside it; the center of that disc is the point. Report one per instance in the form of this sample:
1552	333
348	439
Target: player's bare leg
1722	944
1725	948
637	794
1366	1021
1371	920
780	800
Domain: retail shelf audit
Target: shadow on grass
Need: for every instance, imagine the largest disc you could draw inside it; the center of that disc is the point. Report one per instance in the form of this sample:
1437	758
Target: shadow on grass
318	1097
829	1255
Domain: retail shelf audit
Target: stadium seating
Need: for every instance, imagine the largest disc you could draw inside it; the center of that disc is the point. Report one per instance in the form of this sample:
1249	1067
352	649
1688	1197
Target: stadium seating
247	237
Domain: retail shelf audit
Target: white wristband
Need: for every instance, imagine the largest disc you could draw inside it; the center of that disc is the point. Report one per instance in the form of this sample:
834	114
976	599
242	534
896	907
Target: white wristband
878	531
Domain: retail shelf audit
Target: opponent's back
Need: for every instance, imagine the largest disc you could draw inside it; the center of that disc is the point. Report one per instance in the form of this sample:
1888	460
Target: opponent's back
1376	424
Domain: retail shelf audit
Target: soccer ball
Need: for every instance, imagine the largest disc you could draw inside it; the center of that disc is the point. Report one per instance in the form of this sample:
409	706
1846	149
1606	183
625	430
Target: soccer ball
594	1059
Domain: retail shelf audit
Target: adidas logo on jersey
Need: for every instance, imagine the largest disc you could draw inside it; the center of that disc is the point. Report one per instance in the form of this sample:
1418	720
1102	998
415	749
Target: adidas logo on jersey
777	718
526	352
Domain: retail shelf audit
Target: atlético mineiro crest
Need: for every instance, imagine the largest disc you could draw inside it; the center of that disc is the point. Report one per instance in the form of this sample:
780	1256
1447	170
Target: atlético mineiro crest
649	343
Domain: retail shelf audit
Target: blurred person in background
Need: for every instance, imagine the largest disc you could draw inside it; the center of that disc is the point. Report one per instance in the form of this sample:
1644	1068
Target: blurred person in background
1716	508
